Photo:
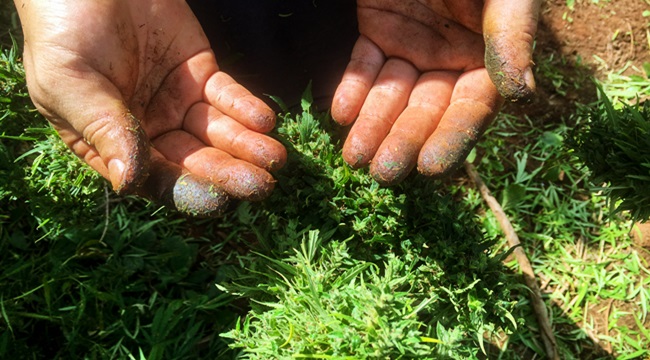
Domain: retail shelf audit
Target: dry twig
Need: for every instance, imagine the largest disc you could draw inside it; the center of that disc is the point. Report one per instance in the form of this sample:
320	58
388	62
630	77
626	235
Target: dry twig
539	307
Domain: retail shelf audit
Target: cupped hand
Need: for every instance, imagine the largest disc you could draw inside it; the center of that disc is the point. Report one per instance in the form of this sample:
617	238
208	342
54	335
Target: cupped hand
133	88
426	77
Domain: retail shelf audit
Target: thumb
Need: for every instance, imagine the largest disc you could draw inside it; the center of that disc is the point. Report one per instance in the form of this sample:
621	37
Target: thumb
96	124
509	29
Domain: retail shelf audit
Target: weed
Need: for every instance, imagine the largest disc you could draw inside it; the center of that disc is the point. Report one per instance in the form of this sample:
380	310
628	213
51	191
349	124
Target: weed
613	144
397	272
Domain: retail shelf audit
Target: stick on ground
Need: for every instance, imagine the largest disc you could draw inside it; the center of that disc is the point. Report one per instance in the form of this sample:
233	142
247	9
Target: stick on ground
539	307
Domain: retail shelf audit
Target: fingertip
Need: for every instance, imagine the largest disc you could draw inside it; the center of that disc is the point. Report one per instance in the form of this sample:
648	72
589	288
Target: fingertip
444	152
347	103
271	155
389	173
356	153
529	77
116	169
395	159
264	120
514	83
438	164
198	197
245	182
366	61
128	153
509	29
354	160
185	192
342	113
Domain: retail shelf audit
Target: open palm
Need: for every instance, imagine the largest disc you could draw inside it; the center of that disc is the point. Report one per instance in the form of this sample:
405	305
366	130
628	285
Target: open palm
133	88
417	88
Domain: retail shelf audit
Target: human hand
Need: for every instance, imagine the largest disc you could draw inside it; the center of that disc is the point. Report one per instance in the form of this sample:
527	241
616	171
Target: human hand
133	88
424	79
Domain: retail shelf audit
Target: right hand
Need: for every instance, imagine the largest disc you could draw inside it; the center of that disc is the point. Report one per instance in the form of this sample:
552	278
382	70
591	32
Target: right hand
133	88
426	78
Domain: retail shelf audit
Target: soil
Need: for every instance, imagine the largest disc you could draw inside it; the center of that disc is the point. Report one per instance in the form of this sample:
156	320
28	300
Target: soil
616	32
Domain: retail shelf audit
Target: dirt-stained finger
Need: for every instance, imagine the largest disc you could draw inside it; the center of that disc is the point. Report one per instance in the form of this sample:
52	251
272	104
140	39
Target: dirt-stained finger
385	102
398	153
219	130
224	93
239	179
193	195
365	63
475	102
509	29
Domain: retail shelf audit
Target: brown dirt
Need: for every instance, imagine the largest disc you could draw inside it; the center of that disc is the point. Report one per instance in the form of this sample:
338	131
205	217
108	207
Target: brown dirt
614	31
590	40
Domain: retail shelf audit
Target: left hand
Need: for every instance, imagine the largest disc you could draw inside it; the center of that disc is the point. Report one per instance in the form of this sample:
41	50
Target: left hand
425	78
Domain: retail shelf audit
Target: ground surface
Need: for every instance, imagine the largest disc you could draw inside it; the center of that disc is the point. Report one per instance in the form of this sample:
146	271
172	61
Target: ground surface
595	38
592	39
615	32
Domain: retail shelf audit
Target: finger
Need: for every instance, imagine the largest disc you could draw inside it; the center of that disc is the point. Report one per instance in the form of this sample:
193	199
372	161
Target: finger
398	153
97	126
239	179
234	100
219	130
509	29
188	193
386	100
362	70
475	102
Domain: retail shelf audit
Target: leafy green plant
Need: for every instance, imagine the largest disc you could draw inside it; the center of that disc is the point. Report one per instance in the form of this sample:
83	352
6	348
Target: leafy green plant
348	269
613	144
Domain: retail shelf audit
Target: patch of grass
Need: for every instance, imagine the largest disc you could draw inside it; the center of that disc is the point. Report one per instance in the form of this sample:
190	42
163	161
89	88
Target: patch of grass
627	85
613	144
91	275
402	272
580	249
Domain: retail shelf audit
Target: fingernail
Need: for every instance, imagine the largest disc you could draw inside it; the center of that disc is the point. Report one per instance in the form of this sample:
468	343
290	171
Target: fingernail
116	173
529	78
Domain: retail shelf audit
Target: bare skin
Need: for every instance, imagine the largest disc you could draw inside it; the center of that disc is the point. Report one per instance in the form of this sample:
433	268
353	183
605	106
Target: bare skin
133	88
427	77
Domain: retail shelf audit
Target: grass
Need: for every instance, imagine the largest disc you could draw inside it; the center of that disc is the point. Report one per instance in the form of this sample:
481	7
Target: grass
595	276
613	144
332	266
371	272
587	264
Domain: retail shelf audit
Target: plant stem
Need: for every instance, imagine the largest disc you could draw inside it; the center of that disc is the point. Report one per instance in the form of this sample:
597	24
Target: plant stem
539	307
